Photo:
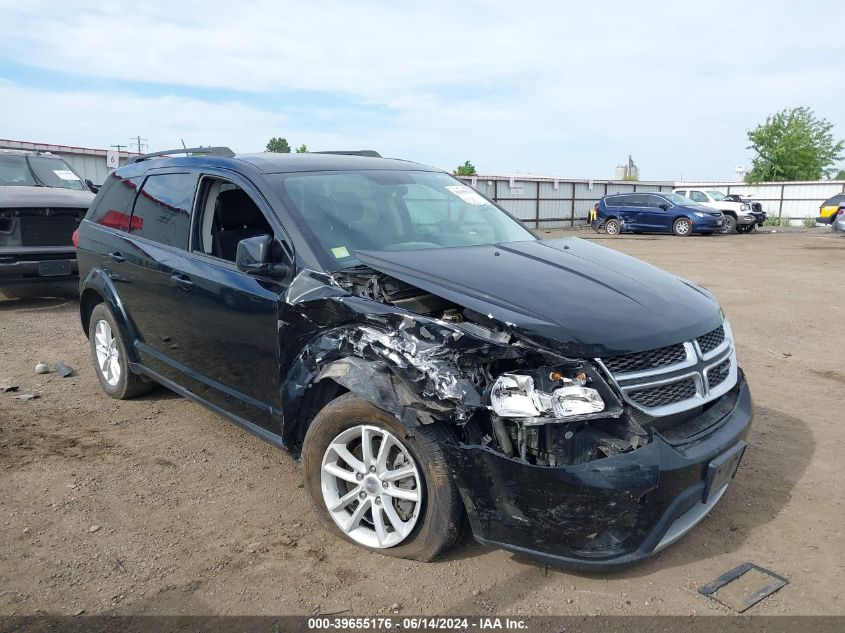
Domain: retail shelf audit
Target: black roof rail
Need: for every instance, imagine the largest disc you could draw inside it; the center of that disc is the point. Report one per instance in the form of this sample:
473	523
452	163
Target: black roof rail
205	151
358	152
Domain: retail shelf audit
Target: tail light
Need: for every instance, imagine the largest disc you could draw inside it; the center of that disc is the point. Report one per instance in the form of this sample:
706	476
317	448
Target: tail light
75	238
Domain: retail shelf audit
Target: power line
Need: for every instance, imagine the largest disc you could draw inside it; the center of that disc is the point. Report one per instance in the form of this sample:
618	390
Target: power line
139	144
119	147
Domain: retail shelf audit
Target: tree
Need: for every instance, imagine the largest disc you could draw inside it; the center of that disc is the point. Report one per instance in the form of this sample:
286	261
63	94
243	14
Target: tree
793	145
840	175
279	145
302	149
467	169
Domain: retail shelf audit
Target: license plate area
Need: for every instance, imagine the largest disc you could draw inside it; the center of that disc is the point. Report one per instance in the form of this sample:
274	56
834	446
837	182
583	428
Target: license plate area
56	268
721	470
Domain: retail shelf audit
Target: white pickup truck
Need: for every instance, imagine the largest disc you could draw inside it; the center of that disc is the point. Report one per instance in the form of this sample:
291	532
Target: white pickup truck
738	215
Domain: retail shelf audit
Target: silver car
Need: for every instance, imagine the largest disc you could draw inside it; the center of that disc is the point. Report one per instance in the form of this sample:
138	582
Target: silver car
838	223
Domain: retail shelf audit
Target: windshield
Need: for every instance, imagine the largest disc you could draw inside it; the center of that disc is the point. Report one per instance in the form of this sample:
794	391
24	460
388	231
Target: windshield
54	172
19	170
14	172
716	195
679	200
393	210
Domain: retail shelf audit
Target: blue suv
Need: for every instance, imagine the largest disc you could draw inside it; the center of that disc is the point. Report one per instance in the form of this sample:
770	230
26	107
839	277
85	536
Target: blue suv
654	213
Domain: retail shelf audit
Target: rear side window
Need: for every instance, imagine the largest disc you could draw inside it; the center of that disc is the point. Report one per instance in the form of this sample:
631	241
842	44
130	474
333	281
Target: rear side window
114	205
616	201
697	196
681	192
162	210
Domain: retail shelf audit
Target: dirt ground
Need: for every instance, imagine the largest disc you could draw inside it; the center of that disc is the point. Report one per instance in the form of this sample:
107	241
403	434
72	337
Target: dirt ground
158	506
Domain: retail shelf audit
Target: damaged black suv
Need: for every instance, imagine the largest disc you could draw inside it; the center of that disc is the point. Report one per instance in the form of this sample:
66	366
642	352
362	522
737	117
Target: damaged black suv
428	356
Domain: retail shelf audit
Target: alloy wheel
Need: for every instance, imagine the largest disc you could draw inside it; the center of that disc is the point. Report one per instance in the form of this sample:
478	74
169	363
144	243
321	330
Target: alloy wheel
371	486
682	227
108	355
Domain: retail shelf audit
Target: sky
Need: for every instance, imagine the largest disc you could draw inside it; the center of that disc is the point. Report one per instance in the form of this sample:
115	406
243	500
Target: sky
565	89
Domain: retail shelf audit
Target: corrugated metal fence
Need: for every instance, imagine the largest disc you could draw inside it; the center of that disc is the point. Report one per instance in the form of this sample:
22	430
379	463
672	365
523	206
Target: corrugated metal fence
793	200
560	203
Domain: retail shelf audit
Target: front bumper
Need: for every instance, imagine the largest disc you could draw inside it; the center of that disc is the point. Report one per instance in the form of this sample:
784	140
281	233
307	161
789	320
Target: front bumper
604	514
24	268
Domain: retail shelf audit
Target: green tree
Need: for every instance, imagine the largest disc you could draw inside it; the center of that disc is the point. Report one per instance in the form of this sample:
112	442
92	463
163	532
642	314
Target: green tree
302	149
279	145
793	145
467	169
840	175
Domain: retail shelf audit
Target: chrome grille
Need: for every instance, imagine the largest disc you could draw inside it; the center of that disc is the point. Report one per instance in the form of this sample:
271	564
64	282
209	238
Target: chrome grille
676	378
642	361
717	375
664	394
711	340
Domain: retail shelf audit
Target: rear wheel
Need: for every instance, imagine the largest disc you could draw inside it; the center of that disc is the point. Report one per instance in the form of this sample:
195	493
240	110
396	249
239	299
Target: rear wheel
108	351
379	485
682	227
612	227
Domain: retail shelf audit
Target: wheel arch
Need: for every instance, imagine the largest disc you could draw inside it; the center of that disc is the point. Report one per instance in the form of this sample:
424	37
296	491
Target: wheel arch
98	288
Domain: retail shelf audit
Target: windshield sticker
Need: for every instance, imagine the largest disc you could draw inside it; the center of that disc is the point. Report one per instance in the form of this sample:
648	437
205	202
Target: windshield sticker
340	252
65	174
467	195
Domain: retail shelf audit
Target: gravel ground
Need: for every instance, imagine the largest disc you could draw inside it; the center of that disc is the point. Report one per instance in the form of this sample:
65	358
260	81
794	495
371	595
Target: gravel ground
158	506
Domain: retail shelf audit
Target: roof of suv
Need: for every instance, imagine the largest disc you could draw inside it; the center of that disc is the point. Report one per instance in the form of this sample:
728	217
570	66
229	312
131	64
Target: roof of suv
275	163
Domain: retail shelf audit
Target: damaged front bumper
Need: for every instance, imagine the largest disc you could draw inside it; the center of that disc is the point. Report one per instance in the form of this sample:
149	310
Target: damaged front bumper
606	513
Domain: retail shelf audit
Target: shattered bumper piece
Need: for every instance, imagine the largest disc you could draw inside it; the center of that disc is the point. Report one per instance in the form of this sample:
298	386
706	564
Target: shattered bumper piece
604	514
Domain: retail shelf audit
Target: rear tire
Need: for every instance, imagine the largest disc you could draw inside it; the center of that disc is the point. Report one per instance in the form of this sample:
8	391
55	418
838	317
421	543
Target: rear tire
108	351
421	524
682	227
612	227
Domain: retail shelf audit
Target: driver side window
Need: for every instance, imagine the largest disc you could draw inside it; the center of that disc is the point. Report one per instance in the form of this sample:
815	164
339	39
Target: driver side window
226	214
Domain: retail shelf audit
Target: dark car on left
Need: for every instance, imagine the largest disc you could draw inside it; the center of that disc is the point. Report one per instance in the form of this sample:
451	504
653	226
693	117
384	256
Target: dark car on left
42	202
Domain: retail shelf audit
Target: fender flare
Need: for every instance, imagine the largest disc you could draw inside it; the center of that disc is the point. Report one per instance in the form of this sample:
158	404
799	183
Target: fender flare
98	283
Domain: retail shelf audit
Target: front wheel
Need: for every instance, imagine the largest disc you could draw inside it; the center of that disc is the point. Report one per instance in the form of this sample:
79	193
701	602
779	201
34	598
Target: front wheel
682	227
730	225
378	484
612	226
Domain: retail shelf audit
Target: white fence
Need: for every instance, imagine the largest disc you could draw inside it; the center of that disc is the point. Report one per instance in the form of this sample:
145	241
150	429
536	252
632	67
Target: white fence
564	202
793	200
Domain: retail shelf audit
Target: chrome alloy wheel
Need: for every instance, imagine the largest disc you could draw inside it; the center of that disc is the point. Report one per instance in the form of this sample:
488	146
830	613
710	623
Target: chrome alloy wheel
371	486
108	356
683	227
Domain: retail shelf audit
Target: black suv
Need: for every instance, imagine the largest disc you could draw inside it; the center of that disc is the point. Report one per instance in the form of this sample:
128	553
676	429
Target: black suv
427	355
42	201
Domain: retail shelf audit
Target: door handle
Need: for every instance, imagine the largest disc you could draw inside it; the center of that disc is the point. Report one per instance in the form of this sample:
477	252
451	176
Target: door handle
182	280
117	257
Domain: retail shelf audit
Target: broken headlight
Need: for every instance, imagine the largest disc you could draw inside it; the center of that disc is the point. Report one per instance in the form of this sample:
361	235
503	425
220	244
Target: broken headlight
515	396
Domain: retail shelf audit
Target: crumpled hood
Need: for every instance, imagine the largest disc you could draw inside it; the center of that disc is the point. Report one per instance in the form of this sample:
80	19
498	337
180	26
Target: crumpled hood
585	299
24	197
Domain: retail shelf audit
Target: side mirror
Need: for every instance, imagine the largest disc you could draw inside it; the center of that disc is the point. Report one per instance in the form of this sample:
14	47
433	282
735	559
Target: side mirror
255	256
90	184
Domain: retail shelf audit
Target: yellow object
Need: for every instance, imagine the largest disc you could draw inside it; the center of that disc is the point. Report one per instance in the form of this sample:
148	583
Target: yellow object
826	212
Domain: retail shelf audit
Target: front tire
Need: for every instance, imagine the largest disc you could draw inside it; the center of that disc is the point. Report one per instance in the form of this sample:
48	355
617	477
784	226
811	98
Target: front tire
379	485
730	225
108	351
682	227
612	227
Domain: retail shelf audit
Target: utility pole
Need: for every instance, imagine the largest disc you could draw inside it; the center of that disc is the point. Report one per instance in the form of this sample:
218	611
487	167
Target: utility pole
119	147
139	144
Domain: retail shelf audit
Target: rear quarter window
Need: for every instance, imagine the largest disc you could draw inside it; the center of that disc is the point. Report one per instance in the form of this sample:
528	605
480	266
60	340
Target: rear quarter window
162	210
113	206
615	201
